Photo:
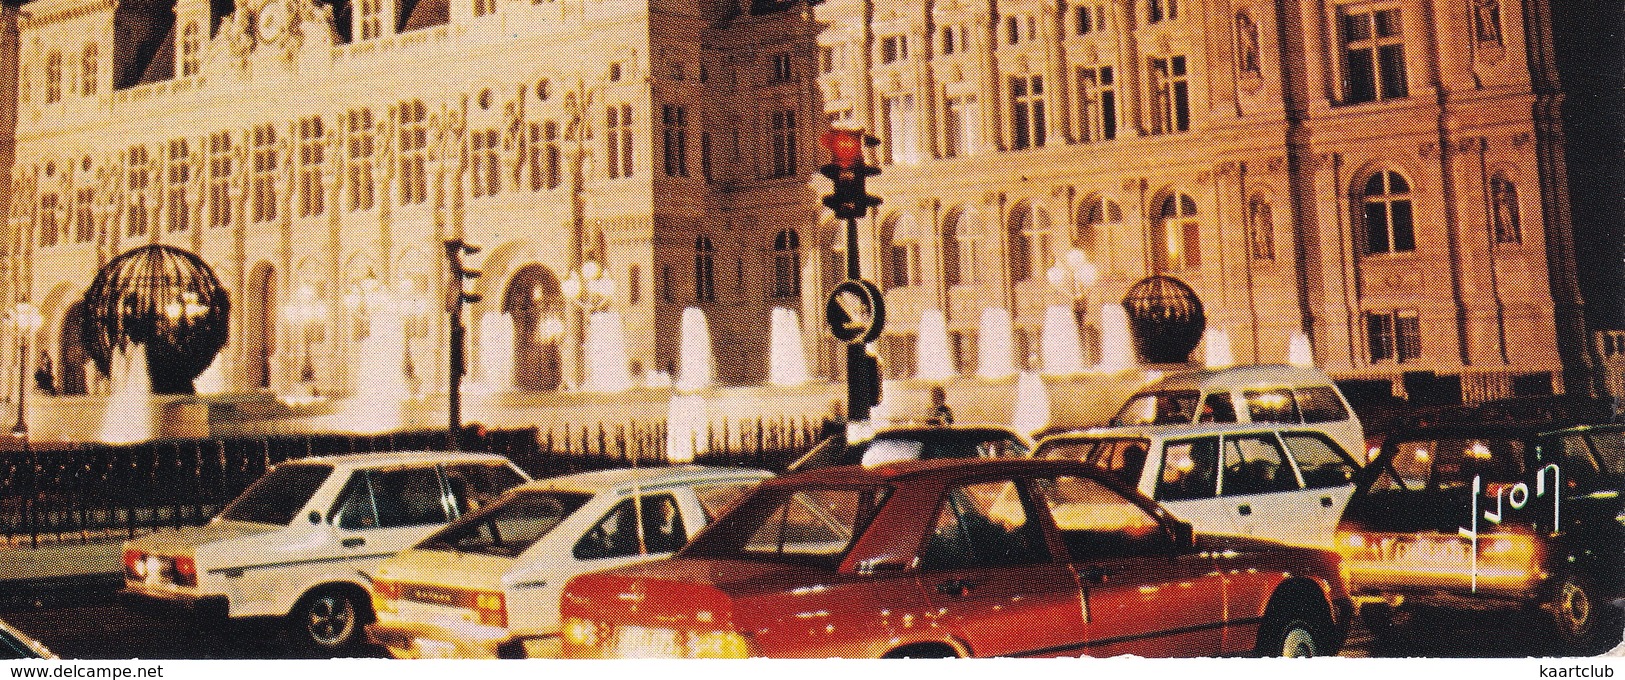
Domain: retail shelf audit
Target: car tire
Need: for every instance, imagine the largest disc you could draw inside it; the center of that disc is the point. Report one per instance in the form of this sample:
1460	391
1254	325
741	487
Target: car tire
327	620
1577	610
1295	628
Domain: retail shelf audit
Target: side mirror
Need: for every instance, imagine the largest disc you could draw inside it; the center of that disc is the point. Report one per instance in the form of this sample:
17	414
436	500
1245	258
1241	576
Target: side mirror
1183	535
315	517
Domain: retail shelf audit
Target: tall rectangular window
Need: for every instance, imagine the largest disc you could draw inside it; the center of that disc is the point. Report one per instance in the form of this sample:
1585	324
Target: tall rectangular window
358	148
87	70
1097	103
902	130
784	143
674	120
220	179
781	68
618	140
180	174
48	220
191	44
705	155
485	153
263	181
893	48
544	156
1170	95
1373	54
312	154
412	151
370	22
1026	111
53	78
140	174
1394	336
84	216
484	7
960	126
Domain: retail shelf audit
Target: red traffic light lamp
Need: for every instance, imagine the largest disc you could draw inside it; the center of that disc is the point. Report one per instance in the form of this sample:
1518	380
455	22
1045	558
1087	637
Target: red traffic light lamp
848	171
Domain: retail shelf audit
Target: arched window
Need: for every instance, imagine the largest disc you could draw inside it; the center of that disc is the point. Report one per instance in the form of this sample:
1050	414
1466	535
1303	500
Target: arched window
190	40
705	270
786	264
1247	45
1261	229
1179	234
1029	241
1093	230
87	70
1504	218
902	253
960	236
1386	204
53	78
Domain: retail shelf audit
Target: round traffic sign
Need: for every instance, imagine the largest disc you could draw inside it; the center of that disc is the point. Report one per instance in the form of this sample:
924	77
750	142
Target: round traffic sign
856	311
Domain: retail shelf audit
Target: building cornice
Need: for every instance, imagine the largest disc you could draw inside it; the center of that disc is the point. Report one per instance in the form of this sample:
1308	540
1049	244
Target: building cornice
30	19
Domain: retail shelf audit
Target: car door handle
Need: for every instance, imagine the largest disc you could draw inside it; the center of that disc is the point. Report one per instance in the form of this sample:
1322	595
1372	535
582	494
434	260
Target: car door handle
1325	501
1095	573
353	542
1244	509
956	587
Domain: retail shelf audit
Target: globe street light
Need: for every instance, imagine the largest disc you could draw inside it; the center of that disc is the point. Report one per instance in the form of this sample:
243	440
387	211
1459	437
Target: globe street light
24	319
1073	275
591	288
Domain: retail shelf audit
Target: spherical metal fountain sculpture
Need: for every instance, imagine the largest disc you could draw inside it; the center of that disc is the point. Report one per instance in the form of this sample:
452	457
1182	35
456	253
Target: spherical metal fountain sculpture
166	299
1166	317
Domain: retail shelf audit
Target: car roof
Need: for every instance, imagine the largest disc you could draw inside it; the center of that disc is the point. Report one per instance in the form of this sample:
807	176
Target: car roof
1176	430
1240	376
391	458
935	432
905	471
1485	430
600	481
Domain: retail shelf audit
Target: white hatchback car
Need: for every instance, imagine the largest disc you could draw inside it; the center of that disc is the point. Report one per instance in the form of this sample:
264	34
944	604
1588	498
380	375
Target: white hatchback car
1288	484
297	542
488	585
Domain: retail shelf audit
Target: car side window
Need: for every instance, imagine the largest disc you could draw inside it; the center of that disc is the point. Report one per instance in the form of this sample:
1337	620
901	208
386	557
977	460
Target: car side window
1098	523
1321	462
616	535
1218	408
1320	404
717	499
1255	464
473	485
1189	469
408	497
983	525
1578	463
1271	406
354	509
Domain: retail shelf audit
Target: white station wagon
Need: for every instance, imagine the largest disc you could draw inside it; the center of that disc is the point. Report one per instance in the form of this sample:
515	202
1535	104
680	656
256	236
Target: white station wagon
297	543
1288	484
488	585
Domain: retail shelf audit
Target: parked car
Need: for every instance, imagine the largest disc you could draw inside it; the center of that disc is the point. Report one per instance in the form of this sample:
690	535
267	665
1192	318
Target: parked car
959	558
1518	517
1287	484
917	442
1289	395
487	585
15	644
297	543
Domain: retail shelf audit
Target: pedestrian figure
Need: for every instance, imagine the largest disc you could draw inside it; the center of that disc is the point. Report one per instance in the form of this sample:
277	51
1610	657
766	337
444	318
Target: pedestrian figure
940	413
44	376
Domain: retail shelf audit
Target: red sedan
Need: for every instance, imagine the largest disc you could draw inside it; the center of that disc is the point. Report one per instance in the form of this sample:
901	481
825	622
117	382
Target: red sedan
959	558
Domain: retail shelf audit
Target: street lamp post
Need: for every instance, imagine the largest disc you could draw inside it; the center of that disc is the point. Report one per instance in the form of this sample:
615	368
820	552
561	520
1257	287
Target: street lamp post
590	288
304	311
1073	274
25	319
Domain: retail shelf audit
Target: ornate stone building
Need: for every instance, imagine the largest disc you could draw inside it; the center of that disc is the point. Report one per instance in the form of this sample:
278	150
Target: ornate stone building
1384	176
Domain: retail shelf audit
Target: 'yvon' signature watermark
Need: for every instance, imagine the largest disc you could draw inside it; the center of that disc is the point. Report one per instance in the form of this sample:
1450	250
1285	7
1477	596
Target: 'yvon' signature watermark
1515	496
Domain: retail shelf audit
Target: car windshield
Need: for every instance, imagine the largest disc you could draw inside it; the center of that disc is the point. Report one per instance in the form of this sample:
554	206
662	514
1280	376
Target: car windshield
1123	457
1451	463
509	526
278	494
811	526
1610	447
1172	407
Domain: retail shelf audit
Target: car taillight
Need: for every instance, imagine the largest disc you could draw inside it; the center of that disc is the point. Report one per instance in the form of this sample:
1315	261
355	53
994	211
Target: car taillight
492	608
582	632
185	572
135	565
718	644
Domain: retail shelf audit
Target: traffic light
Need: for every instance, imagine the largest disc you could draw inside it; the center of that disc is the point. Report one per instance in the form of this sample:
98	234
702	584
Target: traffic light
456	295
848	171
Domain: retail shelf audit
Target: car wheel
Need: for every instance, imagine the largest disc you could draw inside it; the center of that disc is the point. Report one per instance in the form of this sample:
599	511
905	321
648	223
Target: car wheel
1577	607
326	620
1294	630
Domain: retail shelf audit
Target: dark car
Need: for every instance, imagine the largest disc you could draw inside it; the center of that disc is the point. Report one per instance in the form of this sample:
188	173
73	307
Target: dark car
959	558
1523	517
917	443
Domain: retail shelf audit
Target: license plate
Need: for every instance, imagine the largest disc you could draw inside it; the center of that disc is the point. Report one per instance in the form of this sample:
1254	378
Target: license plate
435	649
1436	553
634	642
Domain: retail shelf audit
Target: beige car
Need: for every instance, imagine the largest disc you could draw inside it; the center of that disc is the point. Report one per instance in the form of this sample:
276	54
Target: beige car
488	585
